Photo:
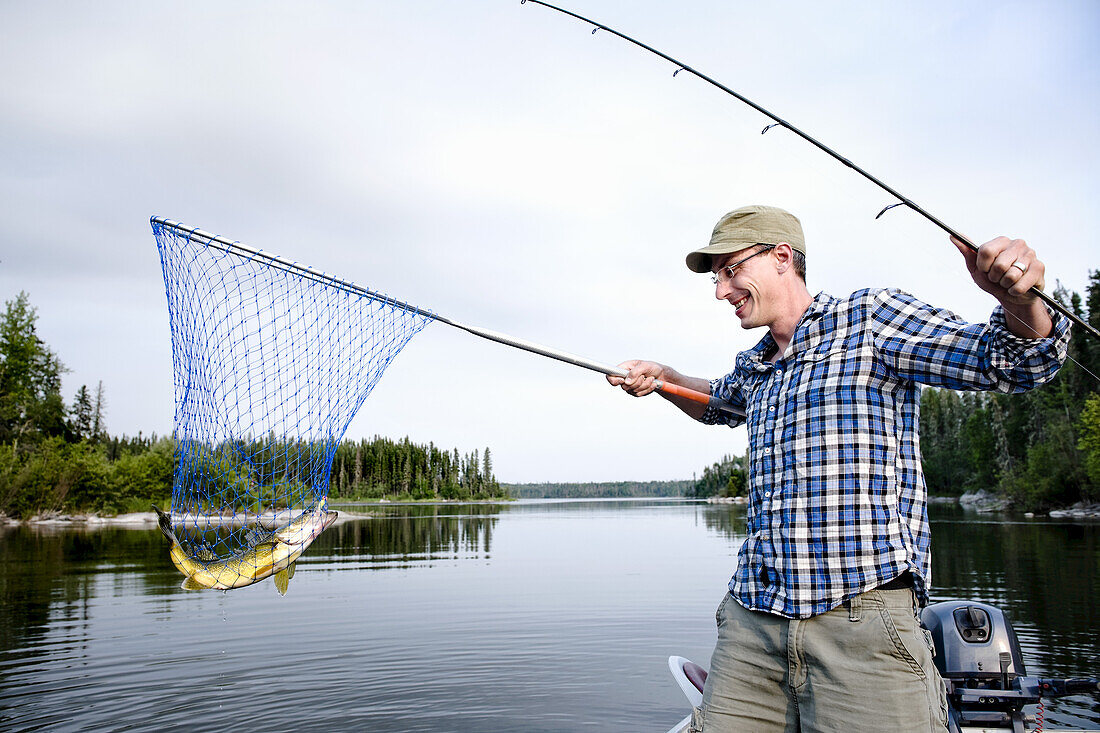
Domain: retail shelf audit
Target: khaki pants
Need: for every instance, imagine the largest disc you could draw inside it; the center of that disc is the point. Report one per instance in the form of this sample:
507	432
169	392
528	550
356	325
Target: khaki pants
864	666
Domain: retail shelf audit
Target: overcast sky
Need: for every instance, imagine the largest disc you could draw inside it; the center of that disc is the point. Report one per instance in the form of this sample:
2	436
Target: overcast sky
499	164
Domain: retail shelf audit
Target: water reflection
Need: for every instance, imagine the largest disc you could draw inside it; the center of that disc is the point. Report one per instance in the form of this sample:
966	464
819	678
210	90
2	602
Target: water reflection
46	573
727	520
412	532
578	603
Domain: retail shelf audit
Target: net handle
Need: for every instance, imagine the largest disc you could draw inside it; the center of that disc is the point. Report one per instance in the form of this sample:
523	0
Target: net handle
661	386
218	242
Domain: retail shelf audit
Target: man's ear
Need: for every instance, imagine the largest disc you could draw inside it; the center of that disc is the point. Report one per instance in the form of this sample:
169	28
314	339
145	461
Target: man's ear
784	257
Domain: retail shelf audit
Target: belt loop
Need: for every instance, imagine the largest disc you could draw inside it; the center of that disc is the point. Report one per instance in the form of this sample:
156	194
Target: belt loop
855	608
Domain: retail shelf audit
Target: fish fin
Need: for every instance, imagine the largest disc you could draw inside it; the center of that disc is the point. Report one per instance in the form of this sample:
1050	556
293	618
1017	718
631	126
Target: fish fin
204	553
290	570
282	581
190	583
254	538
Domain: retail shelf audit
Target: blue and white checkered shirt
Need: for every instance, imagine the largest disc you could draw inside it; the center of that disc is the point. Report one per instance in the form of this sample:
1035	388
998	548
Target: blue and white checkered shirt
837	501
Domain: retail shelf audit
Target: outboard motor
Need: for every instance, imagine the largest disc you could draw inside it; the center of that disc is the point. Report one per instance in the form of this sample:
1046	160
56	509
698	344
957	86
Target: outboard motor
979	658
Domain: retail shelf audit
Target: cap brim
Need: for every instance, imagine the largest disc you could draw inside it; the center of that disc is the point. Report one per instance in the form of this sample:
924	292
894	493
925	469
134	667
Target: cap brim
701	259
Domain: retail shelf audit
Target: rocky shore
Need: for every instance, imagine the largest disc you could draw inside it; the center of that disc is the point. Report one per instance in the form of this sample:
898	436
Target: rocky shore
985	502
982	502
1080	510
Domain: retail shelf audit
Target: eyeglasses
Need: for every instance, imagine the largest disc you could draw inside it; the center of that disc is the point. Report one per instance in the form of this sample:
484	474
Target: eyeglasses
726	273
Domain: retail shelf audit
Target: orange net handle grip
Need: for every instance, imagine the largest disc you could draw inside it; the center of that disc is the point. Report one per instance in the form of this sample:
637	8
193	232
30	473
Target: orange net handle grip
687	394
699	397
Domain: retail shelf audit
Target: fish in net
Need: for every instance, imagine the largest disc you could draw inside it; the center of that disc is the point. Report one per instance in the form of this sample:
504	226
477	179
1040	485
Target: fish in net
272	360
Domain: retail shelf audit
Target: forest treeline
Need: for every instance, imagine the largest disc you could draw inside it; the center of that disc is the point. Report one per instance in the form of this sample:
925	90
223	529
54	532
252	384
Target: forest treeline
602	490
1041	448
386	469
725	478
59	458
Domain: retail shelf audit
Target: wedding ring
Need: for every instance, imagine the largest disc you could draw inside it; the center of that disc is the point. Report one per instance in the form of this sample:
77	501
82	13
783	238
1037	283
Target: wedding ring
1018	266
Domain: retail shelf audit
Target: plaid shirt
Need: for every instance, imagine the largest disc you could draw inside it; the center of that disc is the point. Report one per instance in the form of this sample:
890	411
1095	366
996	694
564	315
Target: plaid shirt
837	501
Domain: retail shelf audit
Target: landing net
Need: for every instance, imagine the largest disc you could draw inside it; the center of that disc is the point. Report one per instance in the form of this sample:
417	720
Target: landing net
272	361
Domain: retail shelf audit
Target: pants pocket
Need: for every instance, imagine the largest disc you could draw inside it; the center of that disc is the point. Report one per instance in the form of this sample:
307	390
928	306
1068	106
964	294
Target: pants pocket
902	629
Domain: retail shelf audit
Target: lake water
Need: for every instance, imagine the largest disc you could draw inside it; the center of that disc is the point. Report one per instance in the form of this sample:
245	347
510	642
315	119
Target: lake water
532	616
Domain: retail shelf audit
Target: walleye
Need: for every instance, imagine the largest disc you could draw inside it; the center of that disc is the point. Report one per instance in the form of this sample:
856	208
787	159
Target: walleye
274	554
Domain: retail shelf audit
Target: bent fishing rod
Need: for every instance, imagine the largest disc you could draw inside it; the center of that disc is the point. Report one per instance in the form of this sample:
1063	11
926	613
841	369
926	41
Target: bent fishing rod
308	273
779	122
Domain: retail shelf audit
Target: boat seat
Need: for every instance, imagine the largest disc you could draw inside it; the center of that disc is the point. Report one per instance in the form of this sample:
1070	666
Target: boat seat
695	674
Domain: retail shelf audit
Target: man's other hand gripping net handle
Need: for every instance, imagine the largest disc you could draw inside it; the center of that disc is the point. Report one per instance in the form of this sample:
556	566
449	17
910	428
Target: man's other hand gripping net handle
688	394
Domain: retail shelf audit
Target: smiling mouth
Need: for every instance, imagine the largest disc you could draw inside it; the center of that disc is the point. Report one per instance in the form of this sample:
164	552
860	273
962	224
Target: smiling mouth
737	304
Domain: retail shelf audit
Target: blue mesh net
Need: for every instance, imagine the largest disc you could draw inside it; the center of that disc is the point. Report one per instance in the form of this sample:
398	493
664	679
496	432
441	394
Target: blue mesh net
271	362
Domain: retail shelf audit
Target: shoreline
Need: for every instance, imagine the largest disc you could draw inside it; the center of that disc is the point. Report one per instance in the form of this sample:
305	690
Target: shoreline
133	520
981	502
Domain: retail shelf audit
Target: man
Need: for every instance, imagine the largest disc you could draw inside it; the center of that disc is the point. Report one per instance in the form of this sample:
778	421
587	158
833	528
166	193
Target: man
819	631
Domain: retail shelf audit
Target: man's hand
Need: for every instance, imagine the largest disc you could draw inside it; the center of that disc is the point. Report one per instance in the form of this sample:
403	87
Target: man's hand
641	378
1007	269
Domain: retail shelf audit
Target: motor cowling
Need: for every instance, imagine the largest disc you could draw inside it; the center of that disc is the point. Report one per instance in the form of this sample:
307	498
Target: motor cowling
978	656
974	643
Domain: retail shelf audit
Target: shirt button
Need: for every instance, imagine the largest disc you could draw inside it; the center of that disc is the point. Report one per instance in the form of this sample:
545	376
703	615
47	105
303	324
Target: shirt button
771	409
767	494
767	450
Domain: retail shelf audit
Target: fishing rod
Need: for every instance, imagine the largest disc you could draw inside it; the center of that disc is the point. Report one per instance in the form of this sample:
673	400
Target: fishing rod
232	247
779	122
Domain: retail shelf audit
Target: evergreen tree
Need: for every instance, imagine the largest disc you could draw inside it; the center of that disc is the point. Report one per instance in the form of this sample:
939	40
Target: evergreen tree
30	379
99	411
82	414
487	465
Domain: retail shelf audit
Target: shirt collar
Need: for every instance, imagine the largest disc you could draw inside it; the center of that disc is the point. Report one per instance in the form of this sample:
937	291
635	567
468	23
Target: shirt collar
805	333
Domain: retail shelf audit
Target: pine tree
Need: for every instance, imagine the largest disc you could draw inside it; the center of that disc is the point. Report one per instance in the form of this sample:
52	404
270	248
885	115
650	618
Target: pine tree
82	414
31	406
99	422
487	466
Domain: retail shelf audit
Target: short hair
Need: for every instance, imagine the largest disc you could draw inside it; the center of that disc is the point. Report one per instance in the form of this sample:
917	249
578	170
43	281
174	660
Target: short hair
799	262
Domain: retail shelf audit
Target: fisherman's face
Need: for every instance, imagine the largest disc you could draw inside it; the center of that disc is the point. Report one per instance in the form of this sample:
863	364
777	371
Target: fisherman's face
746	289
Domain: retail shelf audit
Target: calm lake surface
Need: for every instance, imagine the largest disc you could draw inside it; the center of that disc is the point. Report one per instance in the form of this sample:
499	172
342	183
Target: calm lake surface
532	616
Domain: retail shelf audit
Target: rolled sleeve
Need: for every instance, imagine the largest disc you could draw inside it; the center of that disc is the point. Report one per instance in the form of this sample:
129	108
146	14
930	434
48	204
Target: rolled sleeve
723	389
1015	354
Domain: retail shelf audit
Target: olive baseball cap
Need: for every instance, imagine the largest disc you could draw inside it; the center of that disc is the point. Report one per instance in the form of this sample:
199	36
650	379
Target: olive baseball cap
742	228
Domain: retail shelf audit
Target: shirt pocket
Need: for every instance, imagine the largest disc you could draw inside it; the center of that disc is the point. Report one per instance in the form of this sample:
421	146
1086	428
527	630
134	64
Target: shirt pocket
816	379
826	351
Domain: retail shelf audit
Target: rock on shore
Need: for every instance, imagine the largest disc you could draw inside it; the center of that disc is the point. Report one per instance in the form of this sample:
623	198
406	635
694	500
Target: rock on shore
984	502
727	500
1080	510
